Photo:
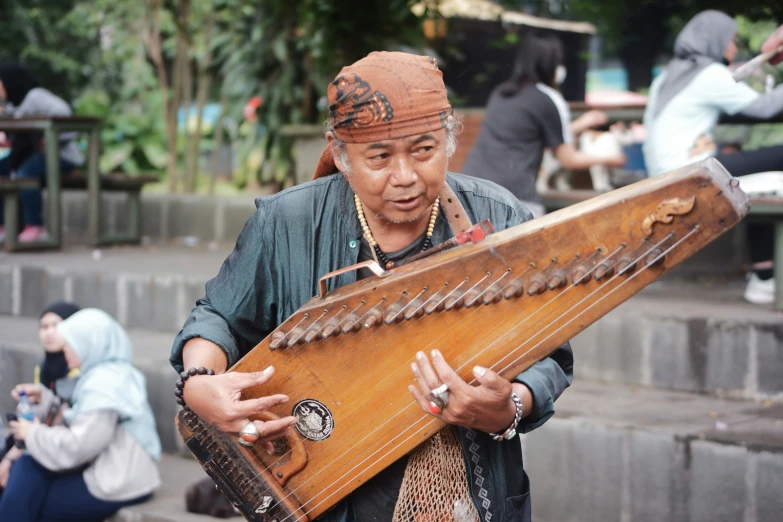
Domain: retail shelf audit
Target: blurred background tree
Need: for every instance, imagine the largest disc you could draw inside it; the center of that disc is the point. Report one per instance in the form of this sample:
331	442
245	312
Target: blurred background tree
641	32
177	82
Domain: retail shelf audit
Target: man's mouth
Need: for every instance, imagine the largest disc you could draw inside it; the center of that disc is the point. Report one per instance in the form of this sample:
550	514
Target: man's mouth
406	203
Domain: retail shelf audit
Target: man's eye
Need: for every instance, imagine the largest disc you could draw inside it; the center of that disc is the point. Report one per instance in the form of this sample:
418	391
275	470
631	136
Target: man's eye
381	156
426	148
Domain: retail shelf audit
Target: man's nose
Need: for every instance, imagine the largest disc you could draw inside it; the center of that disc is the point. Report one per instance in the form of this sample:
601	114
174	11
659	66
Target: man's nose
404	172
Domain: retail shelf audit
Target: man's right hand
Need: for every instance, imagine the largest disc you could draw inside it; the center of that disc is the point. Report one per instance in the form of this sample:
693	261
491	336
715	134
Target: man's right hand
33	392
217	400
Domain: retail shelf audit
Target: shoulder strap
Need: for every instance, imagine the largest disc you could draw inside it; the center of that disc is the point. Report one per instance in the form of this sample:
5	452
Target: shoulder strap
454	211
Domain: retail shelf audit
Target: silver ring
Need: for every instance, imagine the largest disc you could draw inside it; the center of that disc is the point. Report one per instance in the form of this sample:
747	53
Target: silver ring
249	435
441	393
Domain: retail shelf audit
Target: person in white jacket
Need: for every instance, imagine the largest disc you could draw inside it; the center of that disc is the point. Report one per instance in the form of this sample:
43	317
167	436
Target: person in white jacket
23	97
684	106
103	456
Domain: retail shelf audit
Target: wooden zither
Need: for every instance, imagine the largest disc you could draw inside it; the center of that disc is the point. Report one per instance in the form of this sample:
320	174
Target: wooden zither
504	303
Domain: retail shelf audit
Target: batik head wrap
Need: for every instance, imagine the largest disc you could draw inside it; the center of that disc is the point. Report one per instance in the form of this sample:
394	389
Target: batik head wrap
384	96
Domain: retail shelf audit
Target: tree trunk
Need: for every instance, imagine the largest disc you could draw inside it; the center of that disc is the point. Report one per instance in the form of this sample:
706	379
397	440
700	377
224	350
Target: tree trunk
219	132
171	117
187	102
204	82
152	42
184	92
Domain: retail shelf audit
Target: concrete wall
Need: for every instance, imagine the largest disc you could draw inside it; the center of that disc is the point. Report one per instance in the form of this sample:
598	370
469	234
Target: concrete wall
584	471
164	217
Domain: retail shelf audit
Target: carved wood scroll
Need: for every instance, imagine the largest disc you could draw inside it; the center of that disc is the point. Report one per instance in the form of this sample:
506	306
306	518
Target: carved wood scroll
666	211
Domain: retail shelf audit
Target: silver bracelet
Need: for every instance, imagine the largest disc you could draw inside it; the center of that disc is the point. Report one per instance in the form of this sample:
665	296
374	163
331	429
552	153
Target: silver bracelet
511	432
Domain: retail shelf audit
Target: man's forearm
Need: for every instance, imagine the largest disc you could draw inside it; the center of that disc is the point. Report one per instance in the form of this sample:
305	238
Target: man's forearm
200	352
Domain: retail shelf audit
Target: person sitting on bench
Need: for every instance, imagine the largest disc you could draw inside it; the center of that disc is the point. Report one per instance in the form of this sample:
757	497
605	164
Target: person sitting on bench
20	91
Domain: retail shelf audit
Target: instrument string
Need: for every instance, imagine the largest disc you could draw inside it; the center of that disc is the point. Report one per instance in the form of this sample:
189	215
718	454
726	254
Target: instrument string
266	468
537	312
517	349
595	303
498	340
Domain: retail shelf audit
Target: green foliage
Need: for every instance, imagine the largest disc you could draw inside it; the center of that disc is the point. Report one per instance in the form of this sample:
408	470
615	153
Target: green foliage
97	54
287	52
133	134
34	33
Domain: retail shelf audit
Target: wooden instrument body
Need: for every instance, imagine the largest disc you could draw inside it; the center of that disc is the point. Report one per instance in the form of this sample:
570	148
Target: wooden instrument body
509	302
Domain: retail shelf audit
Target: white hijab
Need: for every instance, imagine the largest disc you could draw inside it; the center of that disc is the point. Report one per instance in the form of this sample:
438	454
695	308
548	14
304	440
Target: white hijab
108	379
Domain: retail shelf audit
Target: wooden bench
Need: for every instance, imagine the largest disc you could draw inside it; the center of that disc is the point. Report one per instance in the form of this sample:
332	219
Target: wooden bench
9	191
130	185
762	208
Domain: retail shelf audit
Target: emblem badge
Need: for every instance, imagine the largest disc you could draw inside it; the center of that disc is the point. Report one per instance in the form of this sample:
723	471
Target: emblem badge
314	420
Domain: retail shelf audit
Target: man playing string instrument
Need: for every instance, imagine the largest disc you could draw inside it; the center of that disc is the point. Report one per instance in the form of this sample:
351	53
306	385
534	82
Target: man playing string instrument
381	193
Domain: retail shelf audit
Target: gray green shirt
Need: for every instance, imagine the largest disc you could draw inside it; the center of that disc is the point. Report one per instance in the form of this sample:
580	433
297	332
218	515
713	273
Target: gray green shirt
297	236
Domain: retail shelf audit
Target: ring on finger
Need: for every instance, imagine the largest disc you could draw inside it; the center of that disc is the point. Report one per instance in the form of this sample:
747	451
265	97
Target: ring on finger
436	406
441	393
249	435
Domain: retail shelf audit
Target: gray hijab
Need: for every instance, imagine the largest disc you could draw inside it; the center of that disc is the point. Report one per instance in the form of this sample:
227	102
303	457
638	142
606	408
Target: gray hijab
702	41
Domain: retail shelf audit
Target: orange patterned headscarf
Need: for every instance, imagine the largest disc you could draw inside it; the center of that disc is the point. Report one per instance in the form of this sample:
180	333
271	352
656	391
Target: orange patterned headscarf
385	96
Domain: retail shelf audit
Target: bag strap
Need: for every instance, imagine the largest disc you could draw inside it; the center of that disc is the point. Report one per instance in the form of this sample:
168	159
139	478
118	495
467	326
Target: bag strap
455	213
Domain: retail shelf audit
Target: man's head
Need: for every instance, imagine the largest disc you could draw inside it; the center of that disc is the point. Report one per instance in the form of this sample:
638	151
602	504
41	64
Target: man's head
390	133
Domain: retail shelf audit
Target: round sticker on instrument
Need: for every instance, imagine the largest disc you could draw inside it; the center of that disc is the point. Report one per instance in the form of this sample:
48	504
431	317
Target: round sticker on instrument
314	420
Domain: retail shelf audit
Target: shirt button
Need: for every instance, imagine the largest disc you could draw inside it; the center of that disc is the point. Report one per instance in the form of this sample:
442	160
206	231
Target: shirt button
353	243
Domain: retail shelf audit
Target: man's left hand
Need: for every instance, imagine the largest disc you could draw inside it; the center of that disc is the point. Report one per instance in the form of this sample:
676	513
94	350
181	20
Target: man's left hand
486	407
19	428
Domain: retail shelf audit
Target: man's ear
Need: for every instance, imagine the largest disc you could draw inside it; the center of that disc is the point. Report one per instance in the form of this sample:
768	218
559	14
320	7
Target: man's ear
335	155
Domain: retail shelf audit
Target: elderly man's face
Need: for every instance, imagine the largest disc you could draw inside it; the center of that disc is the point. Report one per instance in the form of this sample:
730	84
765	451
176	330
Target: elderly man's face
398	180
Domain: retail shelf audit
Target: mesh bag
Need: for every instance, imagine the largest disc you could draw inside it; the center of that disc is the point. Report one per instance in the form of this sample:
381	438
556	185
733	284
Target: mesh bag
434	486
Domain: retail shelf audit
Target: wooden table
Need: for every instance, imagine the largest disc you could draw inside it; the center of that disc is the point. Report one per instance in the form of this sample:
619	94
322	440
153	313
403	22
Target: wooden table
614	113
52	127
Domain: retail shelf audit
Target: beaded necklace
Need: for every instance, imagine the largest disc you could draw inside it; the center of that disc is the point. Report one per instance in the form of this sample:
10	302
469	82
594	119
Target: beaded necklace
381	258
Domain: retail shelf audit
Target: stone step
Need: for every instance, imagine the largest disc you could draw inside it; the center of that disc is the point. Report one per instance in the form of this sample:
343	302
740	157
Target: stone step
168	502
210	218
615	454
689	337
685	334
612	452
150	287
164	216
626	454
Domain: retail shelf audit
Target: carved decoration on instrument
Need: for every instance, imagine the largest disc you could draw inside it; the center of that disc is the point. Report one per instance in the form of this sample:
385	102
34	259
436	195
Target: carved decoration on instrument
666	211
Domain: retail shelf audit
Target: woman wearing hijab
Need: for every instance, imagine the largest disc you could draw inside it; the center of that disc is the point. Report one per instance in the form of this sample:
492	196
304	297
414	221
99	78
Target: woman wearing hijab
687	99
526	115
104	456
20	92
684	105
53	373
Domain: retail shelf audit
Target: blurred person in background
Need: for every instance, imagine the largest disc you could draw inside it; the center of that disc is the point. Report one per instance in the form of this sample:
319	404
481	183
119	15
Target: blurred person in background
103	457
53	372
684	106
526	115
22	96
